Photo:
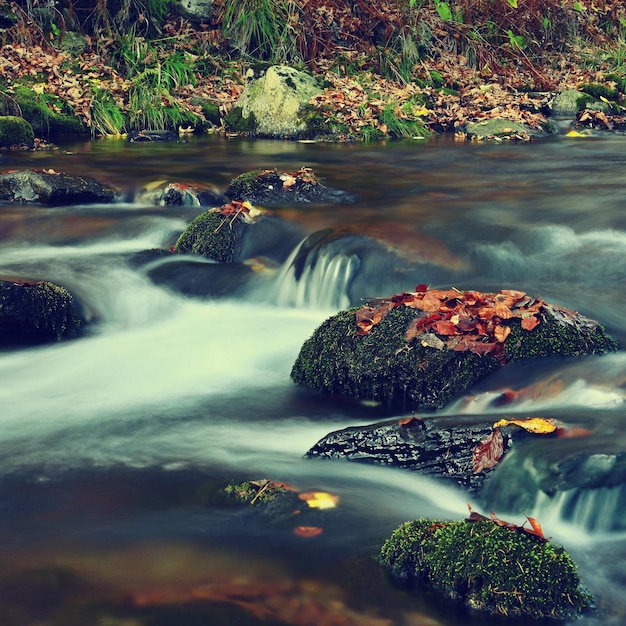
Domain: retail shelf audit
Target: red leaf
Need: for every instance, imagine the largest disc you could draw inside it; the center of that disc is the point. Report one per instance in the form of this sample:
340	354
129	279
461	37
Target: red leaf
536	528
488	452
445	327
421	288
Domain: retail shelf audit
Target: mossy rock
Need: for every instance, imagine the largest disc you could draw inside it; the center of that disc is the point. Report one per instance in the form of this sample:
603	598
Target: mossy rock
39	110
229	238
383	367
499	129
15	132
488	567
39	311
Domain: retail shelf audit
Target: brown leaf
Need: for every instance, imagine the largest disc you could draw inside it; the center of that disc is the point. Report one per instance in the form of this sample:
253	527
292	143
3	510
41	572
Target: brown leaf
488	452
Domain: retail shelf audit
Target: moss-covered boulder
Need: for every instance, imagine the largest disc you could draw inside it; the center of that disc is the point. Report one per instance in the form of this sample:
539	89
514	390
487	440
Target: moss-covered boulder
271	187
487	566
237	231
53	188
15	132
33	312
49	115
273	102
419	350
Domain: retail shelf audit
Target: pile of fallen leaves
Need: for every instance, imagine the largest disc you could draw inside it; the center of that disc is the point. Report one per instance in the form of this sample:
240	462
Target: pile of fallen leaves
463	320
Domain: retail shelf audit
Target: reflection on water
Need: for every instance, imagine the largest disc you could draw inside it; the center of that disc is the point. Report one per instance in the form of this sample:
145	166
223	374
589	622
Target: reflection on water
108	442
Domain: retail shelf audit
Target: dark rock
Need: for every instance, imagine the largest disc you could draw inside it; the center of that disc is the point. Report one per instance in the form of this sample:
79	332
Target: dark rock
138	136
272	188
53	188
441	447
199	277
421	372
37	312
237	236
179	194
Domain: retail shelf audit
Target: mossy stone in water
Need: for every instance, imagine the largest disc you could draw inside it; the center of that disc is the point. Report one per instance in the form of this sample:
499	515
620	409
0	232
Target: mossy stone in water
15	131
384	367
489	567
213	236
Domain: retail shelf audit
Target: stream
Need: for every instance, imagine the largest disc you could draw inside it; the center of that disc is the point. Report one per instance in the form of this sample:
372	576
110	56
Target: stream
109	443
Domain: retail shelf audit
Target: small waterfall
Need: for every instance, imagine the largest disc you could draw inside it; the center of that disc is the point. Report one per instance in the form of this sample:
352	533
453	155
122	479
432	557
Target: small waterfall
322	282
598	510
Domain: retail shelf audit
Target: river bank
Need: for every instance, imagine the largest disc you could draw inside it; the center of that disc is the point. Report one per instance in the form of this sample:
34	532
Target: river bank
406	69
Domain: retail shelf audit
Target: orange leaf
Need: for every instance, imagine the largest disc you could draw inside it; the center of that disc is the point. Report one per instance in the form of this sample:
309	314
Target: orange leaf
501	333
528	323
307	531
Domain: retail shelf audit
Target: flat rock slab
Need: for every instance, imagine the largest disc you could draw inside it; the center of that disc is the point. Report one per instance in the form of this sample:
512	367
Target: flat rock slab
53	188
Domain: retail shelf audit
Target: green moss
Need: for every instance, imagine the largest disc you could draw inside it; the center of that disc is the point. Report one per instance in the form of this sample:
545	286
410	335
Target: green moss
244	185
382	367
48	114
43	307
599	91
489	567
254	492
237	123
15	131
553	338
213	236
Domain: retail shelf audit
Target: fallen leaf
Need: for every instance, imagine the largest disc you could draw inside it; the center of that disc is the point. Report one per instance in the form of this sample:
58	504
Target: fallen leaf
307	531
488	452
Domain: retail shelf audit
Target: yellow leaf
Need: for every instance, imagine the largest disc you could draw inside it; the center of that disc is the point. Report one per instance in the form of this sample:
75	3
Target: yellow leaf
319	499
575	133
536	425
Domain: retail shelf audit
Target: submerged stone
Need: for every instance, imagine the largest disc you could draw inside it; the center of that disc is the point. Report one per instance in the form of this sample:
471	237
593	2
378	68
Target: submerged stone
413	359
488	567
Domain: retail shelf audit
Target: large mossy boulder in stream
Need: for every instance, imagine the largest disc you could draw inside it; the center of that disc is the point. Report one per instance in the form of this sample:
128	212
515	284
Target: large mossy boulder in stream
37	312
53	188
419	350
489	565
237	231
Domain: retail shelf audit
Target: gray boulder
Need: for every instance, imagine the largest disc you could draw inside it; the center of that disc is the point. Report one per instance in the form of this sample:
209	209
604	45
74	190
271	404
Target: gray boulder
501	130
272	103
53	188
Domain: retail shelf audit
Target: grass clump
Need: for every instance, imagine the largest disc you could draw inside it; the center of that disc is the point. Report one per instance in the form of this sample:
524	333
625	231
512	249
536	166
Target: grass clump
488	567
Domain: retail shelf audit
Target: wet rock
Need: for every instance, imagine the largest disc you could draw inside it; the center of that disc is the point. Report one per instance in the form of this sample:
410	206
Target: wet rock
488	567
37	312
440	447
139	136
271	188
15	132
178	194
53	188
199	277
238	231
273	101
380	358
501	130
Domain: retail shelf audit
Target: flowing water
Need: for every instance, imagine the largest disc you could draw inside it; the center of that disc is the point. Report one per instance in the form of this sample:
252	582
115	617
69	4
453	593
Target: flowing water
108	442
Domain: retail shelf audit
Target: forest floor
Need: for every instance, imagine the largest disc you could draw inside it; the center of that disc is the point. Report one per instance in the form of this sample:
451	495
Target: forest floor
459	80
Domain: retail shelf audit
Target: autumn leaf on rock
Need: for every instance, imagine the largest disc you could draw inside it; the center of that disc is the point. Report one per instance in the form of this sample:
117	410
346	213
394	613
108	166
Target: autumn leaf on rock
530	322
488	452
535	425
